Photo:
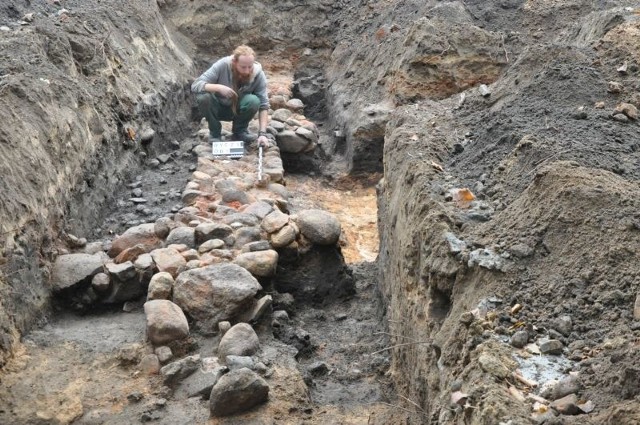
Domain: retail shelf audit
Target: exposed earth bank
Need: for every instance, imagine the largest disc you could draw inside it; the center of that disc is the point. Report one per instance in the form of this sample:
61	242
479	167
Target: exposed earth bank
508	136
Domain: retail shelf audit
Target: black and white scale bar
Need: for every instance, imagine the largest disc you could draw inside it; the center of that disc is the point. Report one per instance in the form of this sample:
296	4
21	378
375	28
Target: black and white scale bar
233	149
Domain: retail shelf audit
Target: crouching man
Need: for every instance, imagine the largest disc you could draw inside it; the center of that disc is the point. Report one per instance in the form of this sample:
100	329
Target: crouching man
234	89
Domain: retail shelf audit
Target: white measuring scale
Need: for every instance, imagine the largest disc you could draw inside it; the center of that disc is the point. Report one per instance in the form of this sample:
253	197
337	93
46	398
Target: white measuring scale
231	149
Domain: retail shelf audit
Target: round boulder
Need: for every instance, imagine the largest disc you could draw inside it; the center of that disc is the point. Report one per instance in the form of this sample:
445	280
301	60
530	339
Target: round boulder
237	391
165	322
320	227
214	293
259	263
240	340
182	235
160	286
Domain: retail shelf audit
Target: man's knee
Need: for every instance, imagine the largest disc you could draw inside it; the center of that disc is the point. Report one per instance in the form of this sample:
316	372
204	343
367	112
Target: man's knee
250	103
205	100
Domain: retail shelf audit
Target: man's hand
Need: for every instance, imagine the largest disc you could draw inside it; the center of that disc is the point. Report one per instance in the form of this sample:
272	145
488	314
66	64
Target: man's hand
263	141
224	91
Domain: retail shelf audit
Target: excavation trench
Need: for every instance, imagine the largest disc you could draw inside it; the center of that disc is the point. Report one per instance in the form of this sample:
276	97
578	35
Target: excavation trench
508	212
326	362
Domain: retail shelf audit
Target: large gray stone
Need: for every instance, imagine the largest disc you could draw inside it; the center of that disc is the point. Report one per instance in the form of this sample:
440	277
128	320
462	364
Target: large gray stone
123	272
125	283
567	385
551	346
101	283
246	219
283	237
238	362
182	236
202	380
307	134
258	310
520	339
168	260
176	371
73	269
214	293
210	244
245	235
145	266
278	189
290	142
240	340
295	104
208	231
160	286
236	196
163	227
260	209
190	196
320	227
563	324
274	221
165	322
567	405
226	185
256	246
484	257
281	114
237	391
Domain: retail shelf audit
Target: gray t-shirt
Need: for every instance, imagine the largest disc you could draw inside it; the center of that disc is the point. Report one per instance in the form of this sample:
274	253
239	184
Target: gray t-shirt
220	73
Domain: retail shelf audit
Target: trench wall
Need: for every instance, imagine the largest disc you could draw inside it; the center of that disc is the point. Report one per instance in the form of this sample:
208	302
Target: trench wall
78	91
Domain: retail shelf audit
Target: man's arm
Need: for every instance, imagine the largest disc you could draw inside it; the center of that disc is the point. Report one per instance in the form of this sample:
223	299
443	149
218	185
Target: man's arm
263	115
209	77
210	81
220	89
260	90
263	118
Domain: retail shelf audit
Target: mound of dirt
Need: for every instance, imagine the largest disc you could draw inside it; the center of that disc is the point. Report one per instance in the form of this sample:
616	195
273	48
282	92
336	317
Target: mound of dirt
550	243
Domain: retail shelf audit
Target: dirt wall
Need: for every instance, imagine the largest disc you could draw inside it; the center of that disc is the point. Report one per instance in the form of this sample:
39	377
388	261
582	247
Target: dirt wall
555	180
285	28
74	79
395	53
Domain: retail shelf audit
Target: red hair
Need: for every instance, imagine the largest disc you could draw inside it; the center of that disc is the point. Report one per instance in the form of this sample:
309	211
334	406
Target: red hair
243	51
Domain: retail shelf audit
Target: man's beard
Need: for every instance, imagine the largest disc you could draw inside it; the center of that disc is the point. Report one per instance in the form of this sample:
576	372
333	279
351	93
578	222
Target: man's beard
238	79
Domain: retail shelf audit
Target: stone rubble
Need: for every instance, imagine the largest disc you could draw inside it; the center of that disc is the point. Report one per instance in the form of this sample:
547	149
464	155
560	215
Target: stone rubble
203	263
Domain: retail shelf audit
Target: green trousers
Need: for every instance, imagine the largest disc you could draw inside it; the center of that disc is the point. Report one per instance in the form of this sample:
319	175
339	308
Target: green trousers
214	112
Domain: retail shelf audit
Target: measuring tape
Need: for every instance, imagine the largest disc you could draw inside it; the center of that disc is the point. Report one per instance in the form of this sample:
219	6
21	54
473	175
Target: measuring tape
260	163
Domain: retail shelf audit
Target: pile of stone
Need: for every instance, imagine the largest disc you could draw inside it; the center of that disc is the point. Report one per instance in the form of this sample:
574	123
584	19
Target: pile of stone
293	132
204	263
625	111
231	381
